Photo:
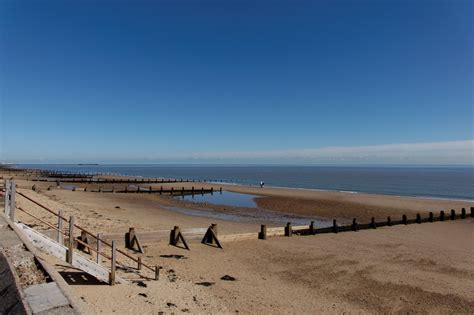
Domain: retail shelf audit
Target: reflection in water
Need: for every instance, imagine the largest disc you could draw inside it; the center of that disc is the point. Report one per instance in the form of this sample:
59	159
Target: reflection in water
225	198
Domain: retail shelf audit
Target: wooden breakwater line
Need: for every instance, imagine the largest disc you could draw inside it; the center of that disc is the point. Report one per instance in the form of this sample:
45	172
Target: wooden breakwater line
65	242
122	180
172	191
209	235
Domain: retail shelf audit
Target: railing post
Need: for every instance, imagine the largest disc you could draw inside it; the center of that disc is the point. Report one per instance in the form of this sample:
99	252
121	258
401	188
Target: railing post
112	264
71	240
60	237
7	198
97	260
12	200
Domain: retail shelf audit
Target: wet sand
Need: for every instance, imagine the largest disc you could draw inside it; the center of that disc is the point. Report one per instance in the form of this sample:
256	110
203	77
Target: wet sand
423	268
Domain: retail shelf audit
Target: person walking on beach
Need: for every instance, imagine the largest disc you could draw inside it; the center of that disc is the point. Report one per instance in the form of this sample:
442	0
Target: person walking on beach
261	184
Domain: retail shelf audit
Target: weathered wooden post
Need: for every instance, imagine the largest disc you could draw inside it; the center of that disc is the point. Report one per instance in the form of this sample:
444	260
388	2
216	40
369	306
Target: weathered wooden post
202	191
60	238
112	264
12	200
354	226
7	197
262	235
172	189
441	215
157	273
182	191
212	190
404	219
389	221
453	214
220	190
192	191
71	240
161	190
418	218
149	190
334	226
431	218
311	228
463	213
97	259
288	229
139	260
372	223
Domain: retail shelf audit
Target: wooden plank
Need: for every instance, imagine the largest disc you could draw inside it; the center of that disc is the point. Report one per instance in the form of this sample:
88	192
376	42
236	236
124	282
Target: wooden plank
51	247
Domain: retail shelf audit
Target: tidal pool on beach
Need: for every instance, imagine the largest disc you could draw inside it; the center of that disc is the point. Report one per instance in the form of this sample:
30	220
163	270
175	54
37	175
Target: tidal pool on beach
225	198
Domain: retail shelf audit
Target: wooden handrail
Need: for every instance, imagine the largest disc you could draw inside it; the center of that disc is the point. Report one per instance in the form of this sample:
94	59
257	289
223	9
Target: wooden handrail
48	224
80	228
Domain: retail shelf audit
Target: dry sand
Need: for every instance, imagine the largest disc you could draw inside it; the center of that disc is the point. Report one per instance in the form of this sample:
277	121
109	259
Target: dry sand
425	268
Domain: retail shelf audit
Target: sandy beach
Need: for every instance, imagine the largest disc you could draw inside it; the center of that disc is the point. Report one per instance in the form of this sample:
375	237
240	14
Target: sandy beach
423	268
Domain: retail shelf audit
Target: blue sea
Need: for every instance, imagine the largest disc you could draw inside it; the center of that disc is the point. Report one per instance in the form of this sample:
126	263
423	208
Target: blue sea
429	181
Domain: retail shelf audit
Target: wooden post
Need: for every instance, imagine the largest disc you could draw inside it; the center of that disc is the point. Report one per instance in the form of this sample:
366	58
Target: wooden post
182	191
129	238
71	240
12	200
60	237
161	190
288	229
334	226
472	212
404	219
453	214
139	258
389	221
202	191
372	223
311	228
418	218
354	226
220	189
431	218
441	215
157	273
463	213
262	235
112	264
173	234
97	260
149	190
7	197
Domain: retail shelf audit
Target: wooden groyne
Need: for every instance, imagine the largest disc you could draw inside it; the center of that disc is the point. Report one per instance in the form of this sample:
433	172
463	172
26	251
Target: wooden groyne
149	190
121	180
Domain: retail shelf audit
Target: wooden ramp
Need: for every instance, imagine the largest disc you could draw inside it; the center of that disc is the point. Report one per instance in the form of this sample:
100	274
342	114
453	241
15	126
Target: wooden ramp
51	247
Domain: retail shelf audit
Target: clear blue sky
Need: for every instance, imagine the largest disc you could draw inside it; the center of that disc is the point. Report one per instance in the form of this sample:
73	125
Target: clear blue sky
139	81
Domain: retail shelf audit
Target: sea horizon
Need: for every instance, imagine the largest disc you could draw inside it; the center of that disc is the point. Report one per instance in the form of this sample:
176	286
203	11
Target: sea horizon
424	181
